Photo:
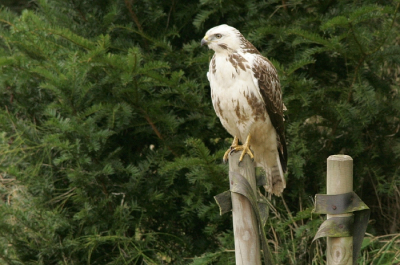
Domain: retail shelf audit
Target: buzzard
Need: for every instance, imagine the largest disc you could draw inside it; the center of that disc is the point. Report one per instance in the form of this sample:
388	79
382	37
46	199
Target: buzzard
246	96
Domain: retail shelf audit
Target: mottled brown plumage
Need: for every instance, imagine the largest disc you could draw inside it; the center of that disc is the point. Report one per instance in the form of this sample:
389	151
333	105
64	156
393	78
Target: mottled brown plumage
247	98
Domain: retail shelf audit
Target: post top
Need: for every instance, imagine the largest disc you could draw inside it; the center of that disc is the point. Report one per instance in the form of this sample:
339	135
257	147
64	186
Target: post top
340	157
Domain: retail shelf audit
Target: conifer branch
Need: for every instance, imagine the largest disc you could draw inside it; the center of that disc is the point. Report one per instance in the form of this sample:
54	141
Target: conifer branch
361	61
7	22
388	32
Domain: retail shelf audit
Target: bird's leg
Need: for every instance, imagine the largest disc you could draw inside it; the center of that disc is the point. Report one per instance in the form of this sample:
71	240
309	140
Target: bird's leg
246	149
233	147
236	147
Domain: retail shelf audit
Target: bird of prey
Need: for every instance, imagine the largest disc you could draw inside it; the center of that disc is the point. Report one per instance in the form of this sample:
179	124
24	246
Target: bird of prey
247	98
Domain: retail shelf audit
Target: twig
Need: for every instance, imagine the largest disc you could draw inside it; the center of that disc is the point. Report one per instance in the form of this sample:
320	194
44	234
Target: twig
128	4
289	213
133	14
156	131
169	14
284	5
153	127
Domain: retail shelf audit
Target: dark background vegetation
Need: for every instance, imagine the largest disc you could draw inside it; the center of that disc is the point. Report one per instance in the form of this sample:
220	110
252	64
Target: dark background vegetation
111	153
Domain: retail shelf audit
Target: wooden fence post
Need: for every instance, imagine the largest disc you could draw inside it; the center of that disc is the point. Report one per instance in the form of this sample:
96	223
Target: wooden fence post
339	181
245	226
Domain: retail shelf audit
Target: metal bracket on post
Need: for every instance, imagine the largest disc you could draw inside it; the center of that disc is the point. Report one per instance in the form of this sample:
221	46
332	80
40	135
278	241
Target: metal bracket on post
343	226
347	215
241	188
258	204
224	201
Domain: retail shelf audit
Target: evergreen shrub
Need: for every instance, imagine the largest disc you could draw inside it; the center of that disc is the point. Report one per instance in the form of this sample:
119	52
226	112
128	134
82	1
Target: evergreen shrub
111	153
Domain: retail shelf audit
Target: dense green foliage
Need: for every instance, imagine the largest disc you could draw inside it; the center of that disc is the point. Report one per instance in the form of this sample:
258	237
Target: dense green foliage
111	153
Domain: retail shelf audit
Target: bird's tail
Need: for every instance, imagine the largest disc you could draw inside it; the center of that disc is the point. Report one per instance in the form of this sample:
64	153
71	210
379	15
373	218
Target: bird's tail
275	179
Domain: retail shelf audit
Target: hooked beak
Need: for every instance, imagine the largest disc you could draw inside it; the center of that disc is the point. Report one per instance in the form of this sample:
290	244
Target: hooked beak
204	41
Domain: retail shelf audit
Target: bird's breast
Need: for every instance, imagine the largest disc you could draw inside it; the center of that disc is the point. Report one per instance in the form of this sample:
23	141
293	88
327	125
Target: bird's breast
236	98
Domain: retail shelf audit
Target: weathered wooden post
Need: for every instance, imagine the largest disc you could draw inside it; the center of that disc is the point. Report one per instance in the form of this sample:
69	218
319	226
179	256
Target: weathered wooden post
347	214
339	180
245	225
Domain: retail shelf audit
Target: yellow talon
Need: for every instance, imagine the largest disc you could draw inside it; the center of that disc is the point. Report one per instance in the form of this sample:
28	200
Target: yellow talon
236	147
246	149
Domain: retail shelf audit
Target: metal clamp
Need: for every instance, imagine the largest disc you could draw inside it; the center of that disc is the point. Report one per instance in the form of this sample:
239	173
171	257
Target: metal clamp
355	225
258	203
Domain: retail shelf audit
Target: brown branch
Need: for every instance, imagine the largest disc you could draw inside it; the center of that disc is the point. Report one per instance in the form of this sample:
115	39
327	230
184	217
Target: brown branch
153	127
284	5
79	11
156	131
356	40
169	14
82	15
105	191
128	4
360	62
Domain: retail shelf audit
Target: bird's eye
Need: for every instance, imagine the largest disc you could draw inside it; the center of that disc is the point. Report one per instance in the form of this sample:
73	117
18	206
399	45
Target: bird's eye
218	36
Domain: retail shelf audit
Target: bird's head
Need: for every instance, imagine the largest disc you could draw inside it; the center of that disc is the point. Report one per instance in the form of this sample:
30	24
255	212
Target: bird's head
222	38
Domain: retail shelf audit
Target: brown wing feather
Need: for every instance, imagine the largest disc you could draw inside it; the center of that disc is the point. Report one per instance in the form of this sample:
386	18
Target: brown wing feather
270	89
